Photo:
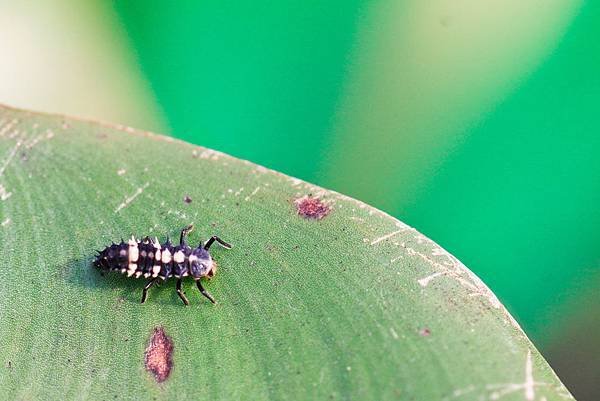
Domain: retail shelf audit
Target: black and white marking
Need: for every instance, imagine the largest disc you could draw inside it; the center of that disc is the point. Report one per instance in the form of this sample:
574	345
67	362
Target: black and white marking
159	262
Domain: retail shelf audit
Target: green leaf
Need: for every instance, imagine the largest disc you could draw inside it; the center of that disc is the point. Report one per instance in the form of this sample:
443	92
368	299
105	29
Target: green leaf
344	302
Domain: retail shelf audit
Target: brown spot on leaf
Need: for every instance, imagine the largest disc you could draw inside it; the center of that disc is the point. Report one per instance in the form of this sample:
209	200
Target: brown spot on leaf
311	208
158	358
425	332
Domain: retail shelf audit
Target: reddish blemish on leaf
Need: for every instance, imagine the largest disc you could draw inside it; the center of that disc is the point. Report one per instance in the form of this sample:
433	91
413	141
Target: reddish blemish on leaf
425	332
311	208
158	358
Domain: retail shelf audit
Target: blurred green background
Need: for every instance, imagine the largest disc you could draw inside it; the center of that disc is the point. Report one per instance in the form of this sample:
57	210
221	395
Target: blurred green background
475	122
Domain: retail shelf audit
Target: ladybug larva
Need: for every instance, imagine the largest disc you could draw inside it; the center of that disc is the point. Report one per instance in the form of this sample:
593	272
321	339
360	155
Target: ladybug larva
148	258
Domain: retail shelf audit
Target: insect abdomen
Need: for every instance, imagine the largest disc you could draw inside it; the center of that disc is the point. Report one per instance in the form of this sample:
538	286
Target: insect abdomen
113	257
181	255
145	258
148	264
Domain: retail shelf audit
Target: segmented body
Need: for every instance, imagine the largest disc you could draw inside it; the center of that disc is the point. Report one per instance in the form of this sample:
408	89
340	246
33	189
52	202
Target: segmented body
159	262
148	258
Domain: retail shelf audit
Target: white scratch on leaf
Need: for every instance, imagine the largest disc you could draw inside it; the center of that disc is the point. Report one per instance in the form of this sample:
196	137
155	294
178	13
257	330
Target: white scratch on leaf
452	267
397	258
132	197
49	135
177	213
247	198
460	392
12	153
383	238
425	281
529	386
207	154
8	126
33	142
500	390
4	194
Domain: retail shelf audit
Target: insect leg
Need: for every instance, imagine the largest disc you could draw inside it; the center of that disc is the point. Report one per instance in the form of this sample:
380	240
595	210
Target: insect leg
219	240
204	292
184	233
146	287
181	294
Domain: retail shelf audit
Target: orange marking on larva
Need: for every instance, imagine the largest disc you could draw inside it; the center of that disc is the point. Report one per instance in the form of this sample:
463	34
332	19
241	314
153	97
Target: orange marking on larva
158	358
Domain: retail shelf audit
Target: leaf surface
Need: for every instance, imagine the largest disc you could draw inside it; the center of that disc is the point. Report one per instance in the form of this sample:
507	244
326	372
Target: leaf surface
322	296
